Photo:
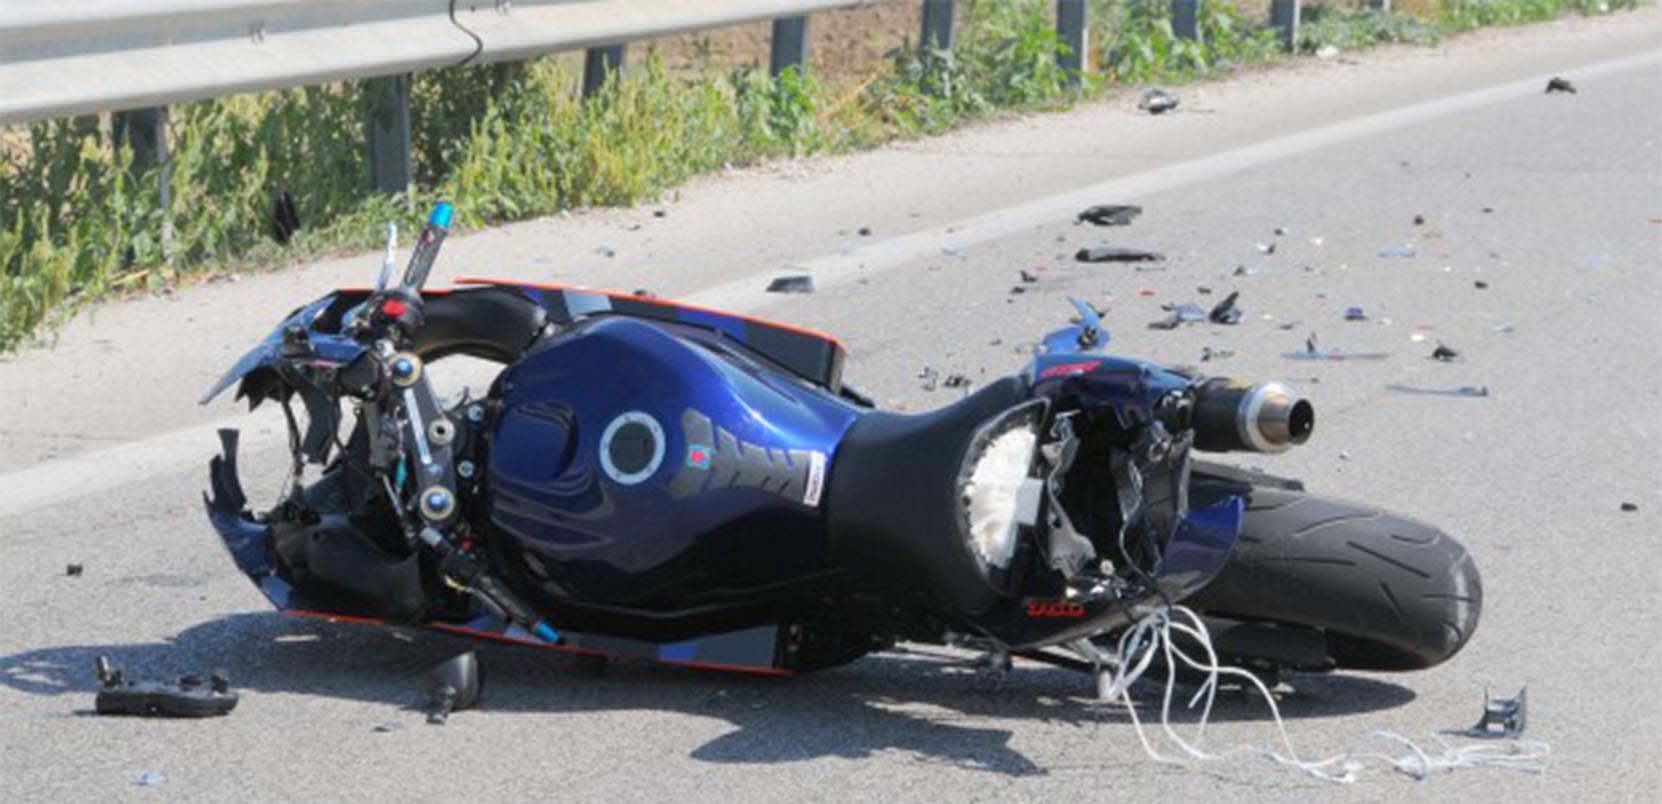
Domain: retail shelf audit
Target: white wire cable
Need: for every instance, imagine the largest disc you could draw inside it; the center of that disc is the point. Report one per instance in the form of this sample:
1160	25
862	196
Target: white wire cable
1135	653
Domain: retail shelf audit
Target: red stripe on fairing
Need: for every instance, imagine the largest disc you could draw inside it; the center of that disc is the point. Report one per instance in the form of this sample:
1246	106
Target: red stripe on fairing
566	649
614	294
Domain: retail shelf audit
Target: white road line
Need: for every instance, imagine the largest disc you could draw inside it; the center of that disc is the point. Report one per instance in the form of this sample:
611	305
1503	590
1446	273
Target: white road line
98	471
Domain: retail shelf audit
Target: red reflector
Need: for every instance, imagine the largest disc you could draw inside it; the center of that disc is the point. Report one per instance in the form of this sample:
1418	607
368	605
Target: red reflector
395	308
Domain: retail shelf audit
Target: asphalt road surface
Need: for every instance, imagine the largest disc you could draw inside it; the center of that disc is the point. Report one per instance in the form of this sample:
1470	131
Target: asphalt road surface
1554	202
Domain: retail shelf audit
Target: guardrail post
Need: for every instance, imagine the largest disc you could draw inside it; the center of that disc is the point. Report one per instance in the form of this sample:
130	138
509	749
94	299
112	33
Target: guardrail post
1185	19
145	131
1071	29
790	45
389	133
1284	19
937	26
598	64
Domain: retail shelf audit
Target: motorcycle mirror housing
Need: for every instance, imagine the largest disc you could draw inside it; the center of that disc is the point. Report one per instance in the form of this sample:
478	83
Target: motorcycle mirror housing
453	685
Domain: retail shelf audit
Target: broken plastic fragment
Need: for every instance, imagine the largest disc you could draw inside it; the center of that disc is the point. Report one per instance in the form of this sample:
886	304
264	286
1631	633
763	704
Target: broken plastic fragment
1399	252
1630	507
1444	353
1226	312
74	570
1480	285
800	283
1027	277
1158	101
1208	354
1110	214
1557	84
149	778
955	381
1502	717
1117	254
1355	314
1184	313
1464	390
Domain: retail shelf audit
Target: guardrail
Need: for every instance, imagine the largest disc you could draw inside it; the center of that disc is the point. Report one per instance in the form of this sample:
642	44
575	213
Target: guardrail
60	58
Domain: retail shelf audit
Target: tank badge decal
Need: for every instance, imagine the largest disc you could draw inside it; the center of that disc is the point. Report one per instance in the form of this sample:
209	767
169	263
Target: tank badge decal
632	448
698	456
716	459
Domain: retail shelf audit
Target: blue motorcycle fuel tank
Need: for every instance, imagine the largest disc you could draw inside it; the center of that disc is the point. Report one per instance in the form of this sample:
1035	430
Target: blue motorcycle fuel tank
638	462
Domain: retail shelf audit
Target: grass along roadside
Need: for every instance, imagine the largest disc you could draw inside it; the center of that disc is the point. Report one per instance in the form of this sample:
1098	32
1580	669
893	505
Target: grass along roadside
514	141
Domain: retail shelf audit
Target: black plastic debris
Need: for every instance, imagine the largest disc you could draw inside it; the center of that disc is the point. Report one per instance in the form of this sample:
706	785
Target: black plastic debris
1027	278
1242	270
800	283
865	231
1480	285
1225	312
1158	101
1110	214
1630	507
1117	254
1488	210
1208	354
1444	353
1265	248
1463	390
1203	290
190	696
645	294
1280	231
1502	717
1017	290
606	251
660	213
453	685
1419	220
1355	314
74	570
955	381
1557	84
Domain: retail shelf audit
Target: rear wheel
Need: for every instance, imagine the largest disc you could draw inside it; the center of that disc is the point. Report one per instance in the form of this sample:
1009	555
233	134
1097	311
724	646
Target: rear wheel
1388	592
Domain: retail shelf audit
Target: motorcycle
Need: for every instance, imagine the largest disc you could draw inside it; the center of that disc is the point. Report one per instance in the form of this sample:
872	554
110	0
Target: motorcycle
657	481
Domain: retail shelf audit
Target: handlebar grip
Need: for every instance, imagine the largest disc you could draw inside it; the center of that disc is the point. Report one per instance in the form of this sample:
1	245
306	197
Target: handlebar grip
427	247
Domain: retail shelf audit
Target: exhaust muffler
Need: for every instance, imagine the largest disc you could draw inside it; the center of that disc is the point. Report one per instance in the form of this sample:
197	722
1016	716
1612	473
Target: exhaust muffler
1230	416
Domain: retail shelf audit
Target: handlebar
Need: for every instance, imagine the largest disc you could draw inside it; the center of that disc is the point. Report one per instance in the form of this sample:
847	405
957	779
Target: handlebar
427	247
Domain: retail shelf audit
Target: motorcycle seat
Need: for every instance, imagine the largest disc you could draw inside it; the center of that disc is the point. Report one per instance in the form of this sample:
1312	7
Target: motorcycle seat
892	506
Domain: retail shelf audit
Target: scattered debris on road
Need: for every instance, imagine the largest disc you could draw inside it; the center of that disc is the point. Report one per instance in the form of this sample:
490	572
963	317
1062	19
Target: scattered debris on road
1419	220
930	377
1480	285
1225	312
1558	84
1017	290
1181	313
955	381
865	231
1265	248
1630	507
1355	314
190	696
660	213
1502	717
1117	254
1399	252
1208	354
606	251
800	283
1158	101
1110	214
1444	353
74	570
149	778
383	728
1464	390
1027	278
1314	352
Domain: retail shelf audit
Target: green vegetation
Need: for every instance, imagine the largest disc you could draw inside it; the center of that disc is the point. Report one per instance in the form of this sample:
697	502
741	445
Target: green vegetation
507	142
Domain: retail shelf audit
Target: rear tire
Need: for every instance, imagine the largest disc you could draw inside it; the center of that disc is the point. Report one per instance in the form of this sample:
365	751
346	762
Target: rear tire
1390	593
